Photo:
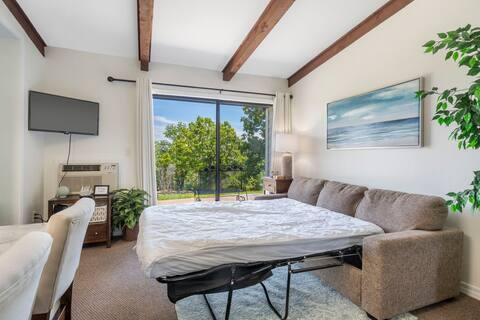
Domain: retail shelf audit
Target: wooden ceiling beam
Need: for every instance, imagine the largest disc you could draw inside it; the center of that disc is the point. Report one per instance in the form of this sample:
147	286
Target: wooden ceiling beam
267	21
144	26
26	24
376	18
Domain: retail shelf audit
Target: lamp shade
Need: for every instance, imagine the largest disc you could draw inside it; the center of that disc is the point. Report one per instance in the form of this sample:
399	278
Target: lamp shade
285	142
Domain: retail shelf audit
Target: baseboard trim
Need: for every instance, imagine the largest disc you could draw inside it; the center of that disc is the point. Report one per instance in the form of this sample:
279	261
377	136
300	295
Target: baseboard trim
470	290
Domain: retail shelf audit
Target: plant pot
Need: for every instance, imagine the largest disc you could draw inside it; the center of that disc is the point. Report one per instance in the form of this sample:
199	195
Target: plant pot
130	234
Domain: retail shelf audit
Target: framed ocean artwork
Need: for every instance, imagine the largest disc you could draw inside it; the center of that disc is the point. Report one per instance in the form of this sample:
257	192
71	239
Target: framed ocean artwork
390	117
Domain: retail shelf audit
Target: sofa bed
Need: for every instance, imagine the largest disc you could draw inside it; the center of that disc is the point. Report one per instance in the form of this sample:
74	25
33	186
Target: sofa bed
386	251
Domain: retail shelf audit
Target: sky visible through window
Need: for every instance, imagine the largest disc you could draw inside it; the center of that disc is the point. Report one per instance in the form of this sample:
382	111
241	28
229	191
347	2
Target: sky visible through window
173	111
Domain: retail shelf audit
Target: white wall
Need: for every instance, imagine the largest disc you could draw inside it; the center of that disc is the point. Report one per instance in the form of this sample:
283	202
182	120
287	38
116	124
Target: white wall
9	120
33	142
83	75
389	54
21	156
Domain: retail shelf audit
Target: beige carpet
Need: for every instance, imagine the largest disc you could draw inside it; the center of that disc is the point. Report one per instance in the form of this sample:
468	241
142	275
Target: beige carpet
111	286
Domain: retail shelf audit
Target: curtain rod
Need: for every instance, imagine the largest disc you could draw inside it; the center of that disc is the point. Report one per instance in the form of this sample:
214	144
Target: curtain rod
112	79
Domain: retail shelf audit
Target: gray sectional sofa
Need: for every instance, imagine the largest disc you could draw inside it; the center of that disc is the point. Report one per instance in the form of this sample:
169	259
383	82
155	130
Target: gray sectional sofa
414	264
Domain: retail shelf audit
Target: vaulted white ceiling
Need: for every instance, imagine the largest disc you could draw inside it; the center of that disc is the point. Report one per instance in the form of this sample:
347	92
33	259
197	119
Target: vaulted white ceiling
98	26
309	27
202	34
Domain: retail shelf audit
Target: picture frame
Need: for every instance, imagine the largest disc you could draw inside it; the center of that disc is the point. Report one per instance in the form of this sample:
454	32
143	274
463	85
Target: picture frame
388	117
101	190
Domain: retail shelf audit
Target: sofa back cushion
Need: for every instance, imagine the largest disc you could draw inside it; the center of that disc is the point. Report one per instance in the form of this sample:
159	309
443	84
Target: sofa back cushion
397	211
341	197
305	190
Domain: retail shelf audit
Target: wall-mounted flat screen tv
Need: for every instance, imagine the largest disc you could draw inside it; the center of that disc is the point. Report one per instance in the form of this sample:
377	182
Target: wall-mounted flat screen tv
51	113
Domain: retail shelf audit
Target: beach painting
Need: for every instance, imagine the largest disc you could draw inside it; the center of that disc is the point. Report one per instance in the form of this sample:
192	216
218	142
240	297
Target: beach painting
390	117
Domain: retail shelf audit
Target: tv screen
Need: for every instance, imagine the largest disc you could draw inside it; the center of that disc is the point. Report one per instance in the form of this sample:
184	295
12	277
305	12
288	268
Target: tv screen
51	113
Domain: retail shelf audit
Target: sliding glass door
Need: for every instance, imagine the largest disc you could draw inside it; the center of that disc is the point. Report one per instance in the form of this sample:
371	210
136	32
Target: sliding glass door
243	150
209	150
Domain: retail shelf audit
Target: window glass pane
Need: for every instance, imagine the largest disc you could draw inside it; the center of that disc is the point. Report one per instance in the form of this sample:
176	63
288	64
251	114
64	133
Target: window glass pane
243	150
185	150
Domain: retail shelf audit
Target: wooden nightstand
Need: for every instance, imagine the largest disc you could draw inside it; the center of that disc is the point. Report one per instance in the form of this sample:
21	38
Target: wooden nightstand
99	230
276	185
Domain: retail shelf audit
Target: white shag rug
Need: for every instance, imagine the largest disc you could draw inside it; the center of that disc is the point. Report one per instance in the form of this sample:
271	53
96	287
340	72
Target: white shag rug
310	299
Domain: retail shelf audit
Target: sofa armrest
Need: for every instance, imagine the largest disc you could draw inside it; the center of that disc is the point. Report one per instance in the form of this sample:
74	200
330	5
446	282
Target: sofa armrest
271	196
403	271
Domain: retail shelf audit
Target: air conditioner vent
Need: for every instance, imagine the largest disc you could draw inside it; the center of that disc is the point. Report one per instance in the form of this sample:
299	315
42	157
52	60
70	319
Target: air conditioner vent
81	167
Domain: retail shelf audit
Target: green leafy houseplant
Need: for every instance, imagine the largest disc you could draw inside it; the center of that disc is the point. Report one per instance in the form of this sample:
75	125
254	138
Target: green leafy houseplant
460	107
128	205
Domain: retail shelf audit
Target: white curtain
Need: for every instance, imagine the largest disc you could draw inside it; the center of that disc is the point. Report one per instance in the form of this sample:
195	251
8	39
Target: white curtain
282	123
145	150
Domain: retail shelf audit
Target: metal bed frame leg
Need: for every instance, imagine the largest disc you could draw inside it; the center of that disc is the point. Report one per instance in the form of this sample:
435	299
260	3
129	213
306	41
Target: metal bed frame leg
287	296
229	302
340	255
229	298
209	307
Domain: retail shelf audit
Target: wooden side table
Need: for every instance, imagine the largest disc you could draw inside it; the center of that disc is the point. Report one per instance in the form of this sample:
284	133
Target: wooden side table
98	231
276	185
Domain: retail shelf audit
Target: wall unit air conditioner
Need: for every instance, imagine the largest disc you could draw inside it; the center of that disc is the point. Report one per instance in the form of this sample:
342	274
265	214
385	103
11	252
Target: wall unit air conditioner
76	175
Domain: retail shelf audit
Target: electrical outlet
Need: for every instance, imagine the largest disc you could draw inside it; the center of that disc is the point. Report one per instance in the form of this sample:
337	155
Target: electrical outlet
37	217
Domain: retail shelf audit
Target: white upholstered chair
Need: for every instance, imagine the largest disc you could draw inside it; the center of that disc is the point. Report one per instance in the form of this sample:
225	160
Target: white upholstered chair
67	229
21	266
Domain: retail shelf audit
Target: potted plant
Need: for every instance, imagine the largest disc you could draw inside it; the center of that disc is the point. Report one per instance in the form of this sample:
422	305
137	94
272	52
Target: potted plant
460	108
128	205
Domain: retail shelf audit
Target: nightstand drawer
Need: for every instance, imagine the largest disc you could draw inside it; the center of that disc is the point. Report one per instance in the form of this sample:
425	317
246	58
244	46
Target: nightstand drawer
272	185
96	233
269	185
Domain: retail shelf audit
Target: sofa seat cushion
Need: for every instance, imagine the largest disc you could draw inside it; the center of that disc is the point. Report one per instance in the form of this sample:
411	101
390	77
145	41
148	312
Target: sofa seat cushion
398	211
305	190
341	197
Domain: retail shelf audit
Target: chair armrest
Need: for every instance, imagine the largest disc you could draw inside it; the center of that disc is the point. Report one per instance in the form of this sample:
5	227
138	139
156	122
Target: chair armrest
271	196
11	233
403	271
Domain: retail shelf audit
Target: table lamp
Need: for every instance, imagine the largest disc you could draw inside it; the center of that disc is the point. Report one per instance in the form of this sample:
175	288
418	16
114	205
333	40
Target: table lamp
285	143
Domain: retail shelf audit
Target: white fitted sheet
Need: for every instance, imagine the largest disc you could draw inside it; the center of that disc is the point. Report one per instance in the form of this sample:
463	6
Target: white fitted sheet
179	239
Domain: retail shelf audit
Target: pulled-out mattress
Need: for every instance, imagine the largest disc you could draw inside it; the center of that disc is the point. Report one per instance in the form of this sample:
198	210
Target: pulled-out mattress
180	239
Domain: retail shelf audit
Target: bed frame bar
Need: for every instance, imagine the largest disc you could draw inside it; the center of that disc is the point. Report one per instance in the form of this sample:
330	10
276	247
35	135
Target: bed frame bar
240	276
